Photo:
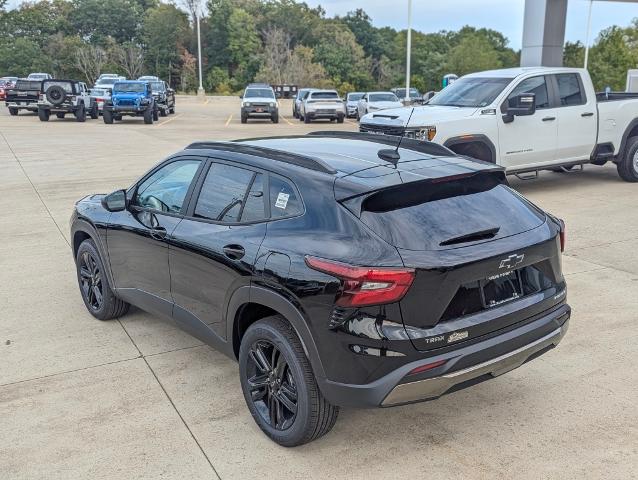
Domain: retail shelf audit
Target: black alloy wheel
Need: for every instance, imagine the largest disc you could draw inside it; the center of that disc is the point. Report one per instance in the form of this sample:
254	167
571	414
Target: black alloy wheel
272	387
91	281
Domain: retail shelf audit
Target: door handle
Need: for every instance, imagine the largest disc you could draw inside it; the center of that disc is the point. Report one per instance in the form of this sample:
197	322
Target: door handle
158	233
549	119
234	252
587	114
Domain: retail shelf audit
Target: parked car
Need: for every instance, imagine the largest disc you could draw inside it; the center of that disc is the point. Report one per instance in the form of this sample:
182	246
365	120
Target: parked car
300	97
23	96
100	96
398	286
415	96
148	78
375	101
525	119
285	90
66	96
164	97
39	76
352	102
5	84
322	104
259	101
109	75
108	82
131	98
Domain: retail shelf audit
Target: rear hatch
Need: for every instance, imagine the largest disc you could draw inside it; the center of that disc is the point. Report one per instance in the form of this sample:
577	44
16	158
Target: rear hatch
26	91
485	258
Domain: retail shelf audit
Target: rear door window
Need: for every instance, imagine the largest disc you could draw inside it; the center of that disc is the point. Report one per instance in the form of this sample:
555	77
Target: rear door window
284	200
569	90
453	214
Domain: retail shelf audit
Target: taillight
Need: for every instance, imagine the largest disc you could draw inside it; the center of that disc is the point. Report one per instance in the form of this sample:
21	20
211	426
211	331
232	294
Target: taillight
426	367
562	235
365	285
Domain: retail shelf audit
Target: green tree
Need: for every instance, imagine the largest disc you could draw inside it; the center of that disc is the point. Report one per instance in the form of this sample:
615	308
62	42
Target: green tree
22	56
163	31
473	54
574	54
615	51
243	46
95	20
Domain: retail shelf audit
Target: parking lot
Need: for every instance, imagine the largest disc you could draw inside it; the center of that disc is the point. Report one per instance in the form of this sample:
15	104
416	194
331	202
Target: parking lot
135	398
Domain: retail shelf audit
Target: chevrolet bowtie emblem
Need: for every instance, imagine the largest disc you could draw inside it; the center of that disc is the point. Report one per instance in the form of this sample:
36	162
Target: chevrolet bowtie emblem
512	261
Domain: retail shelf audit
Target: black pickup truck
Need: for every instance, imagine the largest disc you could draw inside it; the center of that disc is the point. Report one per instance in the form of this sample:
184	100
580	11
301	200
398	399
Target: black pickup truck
24	96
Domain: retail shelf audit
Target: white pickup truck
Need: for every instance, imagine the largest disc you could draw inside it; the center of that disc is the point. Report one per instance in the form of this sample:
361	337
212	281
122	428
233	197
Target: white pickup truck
524	119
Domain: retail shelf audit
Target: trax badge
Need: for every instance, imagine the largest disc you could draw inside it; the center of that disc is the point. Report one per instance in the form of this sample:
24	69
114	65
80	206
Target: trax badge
511	261
456	336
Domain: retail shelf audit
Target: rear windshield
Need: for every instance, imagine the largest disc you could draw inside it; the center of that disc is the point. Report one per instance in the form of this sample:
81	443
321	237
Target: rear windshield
324	96
157	86
99	92
447	215
130	87
28	85
106	81
67	86
353	97
383	97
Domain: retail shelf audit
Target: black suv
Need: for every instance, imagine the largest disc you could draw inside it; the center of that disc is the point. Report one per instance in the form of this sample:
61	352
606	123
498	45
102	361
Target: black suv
338	269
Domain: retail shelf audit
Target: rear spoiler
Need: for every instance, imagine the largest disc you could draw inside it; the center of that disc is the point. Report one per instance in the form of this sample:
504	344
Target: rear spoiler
408	194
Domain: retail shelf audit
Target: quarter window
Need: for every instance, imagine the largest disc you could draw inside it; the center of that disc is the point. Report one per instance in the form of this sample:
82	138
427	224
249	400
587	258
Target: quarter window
166	189
223	193
569	89
284	201
534	85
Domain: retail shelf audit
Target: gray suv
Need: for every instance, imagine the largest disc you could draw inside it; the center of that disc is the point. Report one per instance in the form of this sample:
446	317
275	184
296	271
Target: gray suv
259	101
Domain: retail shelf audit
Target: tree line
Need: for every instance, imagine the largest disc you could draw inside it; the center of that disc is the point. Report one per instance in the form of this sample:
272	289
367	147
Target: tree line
275	41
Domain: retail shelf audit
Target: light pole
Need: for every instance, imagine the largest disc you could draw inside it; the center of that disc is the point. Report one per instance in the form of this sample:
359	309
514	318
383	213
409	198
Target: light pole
409	47
591	3
200	90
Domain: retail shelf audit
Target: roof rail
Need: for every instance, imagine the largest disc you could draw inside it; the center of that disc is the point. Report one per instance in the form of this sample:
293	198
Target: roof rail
421	146
271	153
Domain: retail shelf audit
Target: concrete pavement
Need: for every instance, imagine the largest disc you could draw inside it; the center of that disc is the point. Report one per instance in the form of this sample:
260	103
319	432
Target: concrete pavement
135	398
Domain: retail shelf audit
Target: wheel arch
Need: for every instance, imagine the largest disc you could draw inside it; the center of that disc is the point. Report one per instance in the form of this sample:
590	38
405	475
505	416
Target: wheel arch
630	131
458	144
83	230
252	303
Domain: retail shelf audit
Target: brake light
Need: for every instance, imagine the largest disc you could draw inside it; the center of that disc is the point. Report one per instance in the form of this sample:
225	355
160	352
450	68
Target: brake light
365	285
562	235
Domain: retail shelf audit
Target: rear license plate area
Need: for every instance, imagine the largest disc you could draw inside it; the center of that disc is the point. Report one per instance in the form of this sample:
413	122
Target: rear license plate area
502	288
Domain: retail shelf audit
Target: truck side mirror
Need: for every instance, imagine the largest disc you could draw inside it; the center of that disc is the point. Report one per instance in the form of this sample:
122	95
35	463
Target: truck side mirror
115	202
521	105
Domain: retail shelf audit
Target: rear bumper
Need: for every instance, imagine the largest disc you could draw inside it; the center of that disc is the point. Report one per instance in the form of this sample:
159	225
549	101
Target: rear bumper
463	367
314	115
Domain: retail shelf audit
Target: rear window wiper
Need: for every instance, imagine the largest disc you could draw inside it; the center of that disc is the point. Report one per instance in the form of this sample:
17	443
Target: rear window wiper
471	237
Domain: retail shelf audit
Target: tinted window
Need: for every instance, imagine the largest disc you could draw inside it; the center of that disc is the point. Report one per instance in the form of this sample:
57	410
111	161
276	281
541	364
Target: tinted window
569	89
129	87
254	206
324	95
259	92
535	85
166	189
383	97
28	85
470	92
284	201
418	217
223	193
353	97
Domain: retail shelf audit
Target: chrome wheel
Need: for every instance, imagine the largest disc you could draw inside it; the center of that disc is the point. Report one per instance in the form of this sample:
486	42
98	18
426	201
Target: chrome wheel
271	385
91	281
634	162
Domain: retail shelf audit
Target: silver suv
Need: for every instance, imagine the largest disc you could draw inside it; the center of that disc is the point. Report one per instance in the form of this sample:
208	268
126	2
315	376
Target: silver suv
324	104
259	101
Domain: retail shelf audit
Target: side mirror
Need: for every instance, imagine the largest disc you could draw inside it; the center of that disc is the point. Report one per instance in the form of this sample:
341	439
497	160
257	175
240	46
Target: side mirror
116	201
241	96
521	105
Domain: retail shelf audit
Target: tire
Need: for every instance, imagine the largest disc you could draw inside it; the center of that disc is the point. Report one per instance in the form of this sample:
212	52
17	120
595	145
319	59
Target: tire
55	95
244	118
92	279
171	110
340	119
13	111
43	115
155	115
95	113
107	116
80	114
628	165
275	118
313	416
60	115
117	117
306	119
148	116
162	112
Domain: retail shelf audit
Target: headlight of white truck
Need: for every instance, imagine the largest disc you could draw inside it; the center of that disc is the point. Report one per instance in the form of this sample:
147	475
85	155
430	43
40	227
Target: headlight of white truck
422	133
246	104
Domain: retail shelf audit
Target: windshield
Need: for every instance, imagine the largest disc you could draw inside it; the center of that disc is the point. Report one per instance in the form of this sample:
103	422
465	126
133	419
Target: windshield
27	85
99	92
470	92
354	97
106	81
129	87
157	86
324	96
383	97
259	93
413	93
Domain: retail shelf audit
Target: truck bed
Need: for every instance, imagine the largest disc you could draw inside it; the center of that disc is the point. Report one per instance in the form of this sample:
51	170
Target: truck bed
615	96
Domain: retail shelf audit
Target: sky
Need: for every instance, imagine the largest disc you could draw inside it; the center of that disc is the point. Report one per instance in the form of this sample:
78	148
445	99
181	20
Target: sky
505	16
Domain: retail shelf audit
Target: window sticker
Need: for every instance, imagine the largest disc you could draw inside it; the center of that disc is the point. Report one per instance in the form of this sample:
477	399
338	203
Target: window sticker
282	200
